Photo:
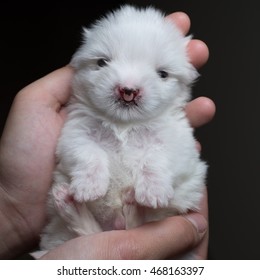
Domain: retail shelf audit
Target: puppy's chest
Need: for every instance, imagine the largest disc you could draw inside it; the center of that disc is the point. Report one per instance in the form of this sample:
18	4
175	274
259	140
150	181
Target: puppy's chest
125	149
121	143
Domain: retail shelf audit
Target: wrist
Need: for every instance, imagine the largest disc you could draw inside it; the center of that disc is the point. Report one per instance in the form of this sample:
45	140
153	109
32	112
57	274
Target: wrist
15	235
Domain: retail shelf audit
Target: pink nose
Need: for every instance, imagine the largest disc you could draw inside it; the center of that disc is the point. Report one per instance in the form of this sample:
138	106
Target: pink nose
128	94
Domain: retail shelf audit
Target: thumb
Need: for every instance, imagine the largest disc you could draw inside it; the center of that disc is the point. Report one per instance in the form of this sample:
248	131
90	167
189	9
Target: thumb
163	239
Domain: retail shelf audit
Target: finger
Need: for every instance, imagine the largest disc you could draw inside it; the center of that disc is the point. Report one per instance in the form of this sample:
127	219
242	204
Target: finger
157	240
197	50
181	20
161	240
201	251
53	89
200	111
198	53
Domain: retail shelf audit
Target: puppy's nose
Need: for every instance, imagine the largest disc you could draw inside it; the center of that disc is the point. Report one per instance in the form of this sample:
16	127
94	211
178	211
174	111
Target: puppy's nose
128	94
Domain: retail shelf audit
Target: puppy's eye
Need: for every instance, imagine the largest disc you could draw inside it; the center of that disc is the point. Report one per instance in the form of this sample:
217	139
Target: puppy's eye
102	62
163	74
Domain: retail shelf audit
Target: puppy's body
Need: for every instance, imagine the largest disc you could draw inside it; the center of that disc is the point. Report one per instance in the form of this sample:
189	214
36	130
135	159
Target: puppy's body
126	154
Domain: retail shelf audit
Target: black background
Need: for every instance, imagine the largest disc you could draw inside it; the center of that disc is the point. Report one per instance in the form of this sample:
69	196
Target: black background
34	40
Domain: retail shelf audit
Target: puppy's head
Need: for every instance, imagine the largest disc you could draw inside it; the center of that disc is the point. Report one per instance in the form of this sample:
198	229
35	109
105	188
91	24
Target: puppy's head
133	65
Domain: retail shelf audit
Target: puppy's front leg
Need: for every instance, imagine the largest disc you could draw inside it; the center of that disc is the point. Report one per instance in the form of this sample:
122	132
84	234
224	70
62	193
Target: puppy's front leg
90	174
153	183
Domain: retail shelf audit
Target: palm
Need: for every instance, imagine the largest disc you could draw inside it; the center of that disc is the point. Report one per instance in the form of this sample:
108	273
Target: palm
28	146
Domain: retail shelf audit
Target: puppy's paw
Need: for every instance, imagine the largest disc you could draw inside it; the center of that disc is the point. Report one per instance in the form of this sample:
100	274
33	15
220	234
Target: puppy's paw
90	184
154	194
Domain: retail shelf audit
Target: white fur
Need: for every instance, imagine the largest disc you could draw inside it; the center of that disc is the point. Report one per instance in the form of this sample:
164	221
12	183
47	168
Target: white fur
121	164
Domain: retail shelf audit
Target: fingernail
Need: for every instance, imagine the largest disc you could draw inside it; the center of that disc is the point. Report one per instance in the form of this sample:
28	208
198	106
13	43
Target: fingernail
198	221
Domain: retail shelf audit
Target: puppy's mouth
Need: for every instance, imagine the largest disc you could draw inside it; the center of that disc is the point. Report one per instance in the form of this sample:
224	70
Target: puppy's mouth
128	103
128	96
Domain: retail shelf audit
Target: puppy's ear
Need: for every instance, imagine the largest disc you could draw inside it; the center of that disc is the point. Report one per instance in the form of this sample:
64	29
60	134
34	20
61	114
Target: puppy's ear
185	71
190	73
78	57
85	34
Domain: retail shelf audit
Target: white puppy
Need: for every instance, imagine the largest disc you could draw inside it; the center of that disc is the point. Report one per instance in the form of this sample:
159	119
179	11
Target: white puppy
126	154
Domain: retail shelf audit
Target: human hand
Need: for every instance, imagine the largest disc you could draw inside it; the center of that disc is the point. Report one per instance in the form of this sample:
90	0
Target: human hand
27	159
171	238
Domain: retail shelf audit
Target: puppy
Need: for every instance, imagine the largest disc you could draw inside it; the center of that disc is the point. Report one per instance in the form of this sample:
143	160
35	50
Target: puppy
126	155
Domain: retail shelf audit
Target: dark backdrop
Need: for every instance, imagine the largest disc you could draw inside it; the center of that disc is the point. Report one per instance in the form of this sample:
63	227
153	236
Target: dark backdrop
37	40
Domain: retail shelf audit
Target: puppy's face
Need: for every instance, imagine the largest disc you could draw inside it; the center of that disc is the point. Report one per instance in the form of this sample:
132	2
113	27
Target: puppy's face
133	66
